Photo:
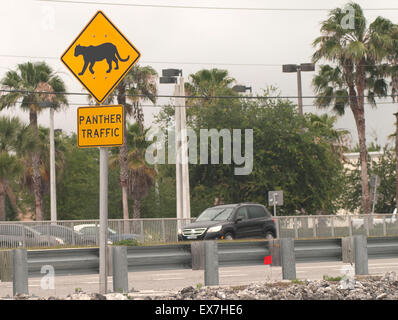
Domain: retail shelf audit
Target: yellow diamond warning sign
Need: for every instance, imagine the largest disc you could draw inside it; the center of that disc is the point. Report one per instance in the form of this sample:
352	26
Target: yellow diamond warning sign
100	56
100	126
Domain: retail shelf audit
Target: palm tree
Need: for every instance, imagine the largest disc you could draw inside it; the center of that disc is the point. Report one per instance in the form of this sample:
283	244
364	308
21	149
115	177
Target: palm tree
138	81
355	52
207	83
10	165
140	175
324	124
24	84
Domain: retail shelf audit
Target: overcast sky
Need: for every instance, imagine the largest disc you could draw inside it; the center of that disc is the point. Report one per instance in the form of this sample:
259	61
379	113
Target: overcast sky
189	39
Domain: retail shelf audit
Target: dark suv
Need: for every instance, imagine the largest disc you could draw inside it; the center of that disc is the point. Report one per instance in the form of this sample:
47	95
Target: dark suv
232	221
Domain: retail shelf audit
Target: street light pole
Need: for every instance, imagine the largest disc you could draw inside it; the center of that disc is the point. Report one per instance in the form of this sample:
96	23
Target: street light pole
298	68
300	91
179	188
181	144
53	193
186	205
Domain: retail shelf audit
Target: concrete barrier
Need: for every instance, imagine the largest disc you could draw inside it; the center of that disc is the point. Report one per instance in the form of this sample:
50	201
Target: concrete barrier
120	269
20	272
288	259
211	263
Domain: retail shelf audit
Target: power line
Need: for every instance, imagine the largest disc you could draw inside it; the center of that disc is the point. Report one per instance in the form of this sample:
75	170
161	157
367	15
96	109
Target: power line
161	62
183	62
203	7
184	96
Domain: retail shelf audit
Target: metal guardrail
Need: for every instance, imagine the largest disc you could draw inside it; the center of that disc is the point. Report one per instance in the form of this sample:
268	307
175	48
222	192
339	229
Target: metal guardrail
379	248
237	253
160	257
318	250
64	261
178	256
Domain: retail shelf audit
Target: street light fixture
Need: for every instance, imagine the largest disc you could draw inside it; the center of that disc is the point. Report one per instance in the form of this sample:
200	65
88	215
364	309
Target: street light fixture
288	68
240	88
171	72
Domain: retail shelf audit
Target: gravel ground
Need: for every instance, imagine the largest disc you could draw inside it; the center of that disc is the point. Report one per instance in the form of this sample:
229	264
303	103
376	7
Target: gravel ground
363	288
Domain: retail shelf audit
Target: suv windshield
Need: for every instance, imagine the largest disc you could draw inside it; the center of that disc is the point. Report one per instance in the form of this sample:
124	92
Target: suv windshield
215	214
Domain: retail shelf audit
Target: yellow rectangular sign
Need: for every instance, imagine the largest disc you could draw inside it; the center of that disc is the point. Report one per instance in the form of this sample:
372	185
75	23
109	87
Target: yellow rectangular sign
100	126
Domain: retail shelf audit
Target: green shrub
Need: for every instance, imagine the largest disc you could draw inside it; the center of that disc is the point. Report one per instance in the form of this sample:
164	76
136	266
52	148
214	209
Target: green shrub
127	242
327	278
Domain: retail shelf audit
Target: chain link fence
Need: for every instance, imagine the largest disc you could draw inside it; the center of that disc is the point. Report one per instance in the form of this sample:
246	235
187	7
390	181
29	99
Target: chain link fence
85	233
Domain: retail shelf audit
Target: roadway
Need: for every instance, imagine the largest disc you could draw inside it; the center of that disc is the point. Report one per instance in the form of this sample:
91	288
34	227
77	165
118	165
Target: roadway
159	282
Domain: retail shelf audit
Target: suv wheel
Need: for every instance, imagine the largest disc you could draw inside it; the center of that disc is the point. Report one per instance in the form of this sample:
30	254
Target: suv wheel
229	236
269	235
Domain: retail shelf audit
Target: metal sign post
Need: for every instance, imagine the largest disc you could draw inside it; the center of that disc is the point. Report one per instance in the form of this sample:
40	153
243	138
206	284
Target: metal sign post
103	208
101	126
275	198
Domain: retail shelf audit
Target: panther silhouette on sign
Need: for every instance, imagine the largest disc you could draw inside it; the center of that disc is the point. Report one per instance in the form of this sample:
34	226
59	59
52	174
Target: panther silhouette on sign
92	54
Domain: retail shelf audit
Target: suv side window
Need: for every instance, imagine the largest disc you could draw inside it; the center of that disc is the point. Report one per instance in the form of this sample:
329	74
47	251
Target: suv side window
242	213
256	212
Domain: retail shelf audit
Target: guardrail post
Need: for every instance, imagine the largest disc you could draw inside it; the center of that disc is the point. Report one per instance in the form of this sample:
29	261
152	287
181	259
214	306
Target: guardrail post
288	259
295	228
20	271
211	263
198	255
275	251
6	266
361	254
332	225
347	249
120	270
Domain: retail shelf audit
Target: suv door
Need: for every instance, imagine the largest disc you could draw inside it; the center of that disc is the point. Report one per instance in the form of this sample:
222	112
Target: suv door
257	217
241	227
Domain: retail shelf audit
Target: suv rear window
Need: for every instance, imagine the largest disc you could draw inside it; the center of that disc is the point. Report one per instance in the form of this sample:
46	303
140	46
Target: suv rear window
256	212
